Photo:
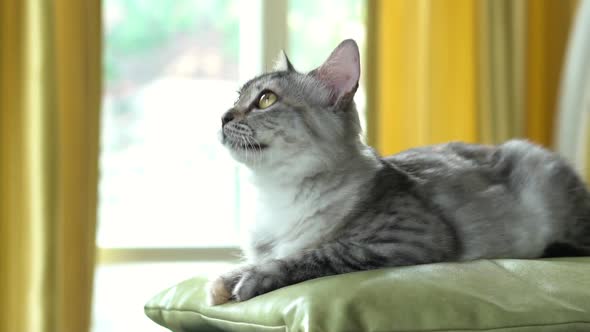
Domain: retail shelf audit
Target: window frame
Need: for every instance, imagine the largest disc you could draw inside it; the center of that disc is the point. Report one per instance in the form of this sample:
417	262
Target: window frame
167	255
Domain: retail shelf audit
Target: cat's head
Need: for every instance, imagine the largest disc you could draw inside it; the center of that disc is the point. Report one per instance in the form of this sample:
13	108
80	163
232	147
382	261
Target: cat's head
287	117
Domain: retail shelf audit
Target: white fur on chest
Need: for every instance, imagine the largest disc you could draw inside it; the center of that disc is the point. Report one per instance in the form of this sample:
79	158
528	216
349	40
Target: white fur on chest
293	219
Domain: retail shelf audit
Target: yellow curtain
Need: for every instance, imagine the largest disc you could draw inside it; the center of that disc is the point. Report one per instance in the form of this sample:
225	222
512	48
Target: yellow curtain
421	83
49	106
475	71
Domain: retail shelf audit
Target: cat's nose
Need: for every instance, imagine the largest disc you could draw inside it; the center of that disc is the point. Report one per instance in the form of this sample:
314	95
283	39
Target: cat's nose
227	117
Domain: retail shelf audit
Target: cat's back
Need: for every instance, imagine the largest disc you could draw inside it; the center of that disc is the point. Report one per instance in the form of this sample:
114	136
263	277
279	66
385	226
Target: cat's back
515	161
442	160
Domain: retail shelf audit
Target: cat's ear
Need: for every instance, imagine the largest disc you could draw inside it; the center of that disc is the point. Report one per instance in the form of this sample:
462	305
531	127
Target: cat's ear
282	63
341	71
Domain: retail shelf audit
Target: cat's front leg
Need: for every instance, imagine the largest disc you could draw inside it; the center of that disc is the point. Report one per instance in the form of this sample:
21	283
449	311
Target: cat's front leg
247	282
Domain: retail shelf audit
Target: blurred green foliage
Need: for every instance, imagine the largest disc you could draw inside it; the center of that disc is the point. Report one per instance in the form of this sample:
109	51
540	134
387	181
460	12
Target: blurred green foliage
143	26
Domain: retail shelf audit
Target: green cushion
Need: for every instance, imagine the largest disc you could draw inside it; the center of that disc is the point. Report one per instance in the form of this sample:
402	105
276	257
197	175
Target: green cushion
487	295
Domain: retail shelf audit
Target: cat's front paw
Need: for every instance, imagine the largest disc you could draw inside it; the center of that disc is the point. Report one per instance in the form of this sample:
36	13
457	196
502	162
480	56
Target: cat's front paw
217	293
243	284
219	290
254	282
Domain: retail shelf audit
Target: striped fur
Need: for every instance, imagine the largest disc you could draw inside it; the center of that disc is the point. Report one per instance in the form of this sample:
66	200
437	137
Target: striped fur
331	205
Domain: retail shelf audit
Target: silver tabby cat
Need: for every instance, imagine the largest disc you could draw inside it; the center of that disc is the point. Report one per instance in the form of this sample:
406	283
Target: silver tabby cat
331	205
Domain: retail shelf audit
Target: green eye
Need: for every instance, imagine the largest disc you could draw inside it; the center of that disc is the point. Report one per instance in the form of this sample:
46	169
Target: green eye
266	100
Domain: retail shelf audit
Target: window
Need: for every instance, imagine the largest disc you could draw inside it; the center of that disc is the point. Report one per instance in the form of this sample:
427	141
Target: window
171	200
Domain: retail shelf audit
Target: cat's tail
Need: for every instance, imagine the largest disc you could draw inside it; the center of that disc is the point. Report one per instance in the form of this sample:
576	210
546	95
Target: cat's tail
542	178
578	235
575	241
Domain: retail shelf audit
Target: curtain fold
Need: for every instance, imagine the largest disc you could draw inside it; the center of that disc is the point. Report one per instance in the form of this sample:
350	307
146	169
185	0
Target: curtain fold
475	71
500	69
49	107
421	79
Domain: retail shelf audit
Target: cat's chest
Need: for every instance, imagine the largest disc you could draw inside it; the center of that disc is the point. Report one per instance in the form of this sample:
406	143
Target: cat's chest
280	232
283	228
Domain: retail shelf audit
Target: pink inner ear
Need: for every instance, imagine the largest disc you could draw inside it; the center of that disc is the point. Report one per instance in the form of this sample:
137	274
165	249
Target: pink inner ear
341	71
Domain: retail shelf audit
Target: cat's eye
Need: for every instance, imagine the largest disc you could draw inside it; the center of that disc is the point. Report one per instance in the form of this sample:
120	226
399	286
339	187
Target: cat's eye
266	100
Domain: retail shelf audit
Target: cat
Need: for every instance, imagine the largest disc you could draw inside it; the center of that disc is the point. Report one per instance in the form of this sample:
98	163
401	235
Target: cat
332	205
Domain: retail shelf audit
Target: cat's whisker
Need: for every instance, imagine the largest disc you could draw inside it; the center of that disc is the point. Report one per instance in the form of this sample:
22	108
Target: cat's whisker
250	149
234	144
254	151
244	143
247	146
259	151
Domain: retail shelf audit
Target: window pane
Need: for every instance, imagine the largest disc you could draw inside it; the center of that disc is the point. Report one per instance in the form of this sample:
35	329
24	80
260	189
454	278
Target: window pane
171	68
